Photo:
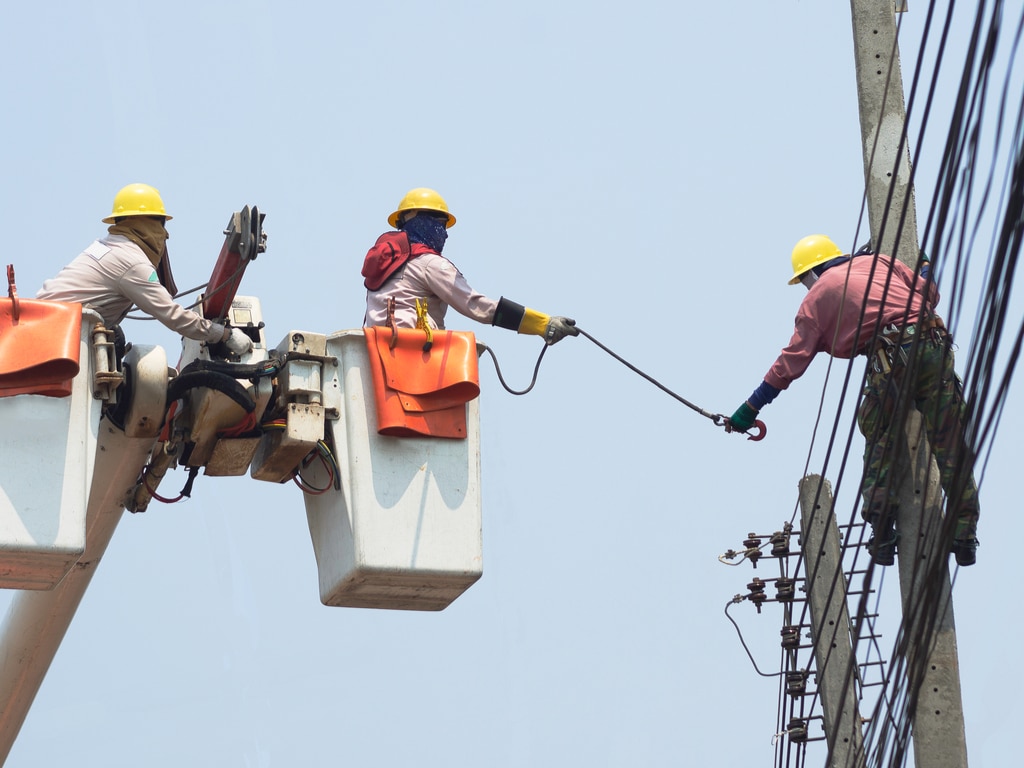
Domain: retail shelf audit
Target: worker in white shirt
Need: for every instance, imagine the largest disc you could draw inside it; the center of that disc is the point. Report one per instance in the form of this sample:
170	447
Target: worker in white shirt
130	267
406	265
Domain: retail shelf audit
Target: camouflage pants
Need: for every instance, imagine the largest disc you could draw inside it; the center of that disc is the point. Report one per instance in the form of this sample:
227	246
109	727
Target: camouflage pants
936	391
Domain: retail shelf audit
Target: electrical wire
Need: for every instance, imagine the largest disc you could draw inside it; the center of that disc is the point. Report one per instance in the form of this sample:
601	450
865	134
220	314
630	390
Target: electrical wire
328	462
956	214
963	196
321	452
739	632
152	491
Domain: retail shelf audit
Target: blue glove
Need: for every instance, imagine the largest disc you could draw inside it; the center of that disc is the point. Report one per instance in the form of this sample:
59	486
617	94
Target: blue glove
743	419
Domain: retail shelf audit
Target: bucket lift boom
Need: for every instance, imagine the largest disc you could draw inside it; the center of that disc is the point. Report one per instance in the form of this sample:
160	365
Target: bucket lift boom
53	534
395	521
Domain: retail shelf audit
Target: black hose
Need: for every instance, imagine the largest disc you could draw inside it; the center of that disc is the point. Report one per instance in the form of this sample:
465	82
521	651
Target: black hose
221	382
497	369
234	370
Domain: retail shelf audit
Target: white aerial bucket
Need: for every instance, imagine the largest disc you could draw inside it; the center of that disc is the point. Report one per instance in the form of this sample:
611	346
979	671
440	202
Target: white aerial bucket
404	530
46	466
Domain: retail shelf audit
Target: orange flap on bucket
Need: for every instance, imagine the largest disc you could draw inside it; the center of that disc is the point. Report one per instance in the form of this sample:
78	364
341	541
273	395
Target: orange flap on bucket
39	346
422	393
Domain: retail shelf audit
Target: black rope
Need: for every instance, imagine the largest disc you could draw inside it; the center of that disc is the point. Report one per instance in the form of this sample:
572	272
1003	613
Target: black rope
717	418
497	369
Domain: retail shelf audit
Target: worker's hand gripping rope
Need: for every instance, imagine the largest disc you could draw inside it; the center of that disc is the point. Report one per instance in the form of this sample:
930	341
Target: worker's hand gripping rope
558	328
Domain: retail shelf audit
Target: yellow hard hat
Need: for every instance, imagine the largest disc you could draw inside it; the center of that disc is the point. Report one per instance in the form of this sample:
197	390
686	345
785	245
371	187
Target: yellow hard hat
137	200
810	252
422	199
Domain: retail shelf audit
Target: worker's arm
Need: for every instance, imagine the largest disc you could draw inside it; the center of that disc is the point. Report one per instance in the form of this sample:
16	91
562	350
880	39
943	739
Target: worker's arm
921	281
744	417
141	285
449	285
445	281
789	366
522	319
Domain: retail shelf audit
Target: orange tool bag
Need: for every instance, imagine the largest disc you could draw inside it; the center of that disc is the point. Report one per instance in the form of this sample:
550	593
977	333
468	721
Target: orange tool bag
39	344
421	390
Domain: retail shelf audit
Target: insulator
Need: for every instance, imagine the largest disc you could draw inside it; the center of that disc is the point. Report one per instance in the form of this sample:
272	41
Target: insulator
785	590
757	594
752	543
797	730
780	544
796	683
790	637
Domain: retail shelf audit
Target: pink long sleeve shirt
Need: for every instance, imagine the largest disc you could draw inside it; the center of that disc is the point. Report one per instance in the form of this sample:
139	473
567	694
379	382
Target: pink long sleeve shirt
829	319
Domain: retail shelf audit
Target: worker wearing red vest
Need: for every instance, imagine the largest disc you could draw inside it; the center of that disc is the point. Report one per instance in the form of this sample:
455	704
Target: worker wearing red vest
130	267
407	266
875	305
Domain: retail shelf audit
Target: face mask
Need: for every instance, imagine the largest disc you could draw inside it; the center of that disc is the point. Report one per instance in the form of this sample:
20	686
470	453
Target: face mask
148	232
427	229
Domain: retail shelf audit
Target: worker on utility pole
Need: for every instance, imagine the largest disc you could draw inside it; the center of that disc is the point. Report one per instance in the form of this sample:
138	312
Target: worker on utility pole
872	304
130	267
406	267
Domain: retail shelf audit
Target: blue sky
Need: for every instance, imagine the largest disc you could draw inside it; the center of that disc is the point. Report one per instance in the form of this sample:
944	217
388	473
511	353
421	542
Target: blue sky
645	169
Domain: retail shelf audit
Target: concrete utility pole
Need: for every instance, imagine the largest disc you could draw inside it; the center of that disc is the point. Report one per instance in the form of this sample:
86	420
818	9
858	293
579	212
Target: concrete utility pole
830	617
937	710
891	211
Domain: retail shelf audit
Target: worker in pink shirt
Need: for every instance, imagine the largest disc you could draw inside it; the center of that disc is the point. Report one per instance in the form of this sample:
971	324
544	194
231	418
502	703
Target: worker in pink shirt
873	304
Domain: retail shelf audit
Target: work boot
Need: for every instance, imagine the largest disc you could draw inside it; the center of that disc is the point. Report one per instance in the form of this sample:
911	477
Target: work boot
965	538
965	551
882	545
880	513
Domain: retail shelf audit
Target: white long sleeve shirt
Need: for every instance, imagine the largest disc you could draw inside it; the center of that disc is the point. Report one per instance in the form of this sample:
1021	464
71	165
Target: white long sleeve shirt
434	278
112	275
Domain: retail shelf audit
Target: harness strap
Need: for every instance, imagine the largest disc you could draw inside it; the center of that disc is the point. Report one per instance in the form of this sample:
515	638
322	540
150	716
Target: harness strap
894	342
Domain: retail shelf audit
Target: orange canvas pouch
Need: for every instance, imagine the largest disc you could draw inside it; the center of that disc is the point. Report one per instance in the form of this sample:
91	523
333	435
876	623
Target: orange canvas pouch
422	393
39	346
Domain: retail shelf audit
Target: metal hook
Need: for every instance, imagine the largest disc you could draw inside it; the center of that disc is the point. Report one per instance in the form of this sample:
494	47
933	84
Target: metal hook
12	292
423	323
762	430
392	323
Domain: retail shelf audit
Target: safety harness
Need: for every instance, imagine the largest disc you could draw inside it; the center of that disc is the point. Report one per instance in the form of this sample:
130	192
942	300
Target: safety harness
892	345
391	251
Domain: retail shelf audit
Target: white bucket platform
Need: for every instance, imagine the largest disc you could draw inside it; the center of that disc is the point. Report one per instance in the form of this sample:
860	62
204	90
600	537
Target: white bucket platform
404	530
46	466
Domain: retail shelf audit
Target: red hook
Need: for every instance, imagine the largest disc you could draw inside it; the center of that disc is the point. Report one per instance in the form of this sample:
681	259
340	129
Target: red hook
762	430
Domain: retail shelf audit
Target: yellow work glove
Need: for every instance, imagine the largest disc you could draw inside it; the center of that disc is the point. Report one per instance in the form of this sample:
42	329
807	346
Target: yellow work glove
558	328
522	319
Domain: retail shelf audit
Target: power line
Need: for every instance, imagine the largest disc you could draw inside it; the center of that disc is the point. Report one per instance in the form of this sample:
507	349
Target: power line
963	198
